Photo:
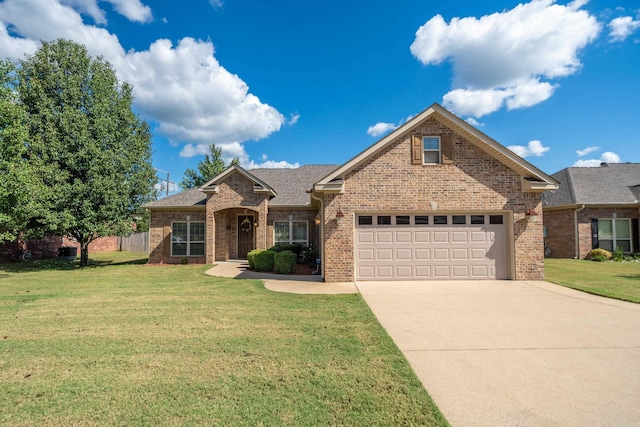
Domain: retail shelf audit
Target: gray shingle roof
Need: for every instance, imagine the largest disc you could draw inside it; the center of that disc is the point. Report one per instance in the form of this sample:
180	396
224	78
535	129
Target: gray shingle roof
616	183
291	186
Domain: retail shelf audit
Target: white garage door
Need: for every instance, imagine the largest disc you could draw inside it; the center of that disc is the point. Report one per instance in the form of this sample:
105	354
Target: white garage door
406	247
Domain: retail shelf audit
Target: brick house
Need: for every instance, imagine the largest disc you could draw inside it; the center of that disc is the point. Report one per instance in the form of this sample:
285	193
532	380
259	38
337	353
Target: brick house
434	199
593	208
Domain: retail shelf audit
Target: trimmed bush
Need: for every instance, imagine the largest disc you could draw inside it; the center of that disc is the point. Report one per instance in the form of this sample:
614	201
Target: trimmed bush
599	255
284	262
296	248
263	261
251	257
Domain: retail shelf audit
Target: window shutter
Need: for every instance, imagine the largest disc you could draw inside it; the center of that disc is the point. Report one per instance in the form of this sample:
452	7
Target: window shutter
416	150
447	149
595	244
635	235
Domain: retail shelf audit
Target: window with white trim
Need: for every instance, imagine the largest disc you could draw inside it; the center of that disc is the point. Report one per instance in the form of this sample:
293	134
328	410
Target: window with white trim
187	238
614	233
288	232
431	148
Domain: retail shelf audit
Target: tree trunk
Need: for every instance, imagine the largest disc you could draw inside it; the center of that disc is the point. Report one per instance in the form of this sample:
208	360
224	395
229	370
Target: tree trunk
84	254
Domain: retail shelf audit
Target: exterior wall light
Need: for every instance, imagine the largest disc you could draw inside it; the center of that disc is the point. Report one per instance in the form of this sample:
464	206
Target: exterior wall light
532	216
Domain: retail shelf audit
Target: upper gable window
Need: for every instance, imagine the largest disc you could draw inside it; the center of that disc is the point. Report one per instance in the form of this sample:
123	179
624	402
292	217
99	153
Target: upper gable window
431	147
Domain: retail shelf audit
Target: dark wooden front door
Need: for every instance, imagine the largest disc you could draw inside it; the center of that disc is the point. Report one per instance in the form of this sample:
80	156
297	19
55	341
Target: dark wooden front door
246	235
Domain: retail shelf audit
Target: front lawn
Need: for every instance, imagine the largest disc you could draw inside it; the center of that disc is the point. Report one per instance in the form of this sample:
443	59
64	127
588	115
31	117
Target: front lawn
120	343
620	280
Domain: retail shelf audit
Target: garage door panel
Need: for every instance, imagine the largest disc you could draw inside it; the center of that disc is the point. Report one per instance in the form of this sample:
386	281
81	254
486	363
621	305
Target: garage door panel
403	237
440	236
365	236
440	254
385	254
422	236
404	254
422	254
384	237
429	251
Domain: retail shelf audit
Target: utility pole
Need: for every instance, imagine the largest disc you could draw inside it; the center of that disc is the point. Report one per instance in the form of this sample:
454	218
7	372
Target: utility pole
167	181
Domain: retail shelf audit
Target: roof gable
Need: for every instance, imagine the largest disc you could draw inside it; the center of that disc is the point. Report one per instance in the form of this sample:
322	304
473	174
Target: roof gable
533	178
259	186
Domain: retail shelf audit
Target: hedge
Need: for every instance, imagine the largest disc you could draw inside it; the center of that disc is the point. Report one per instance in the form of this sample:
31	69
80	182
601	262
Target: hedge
251	257
263	261
284	262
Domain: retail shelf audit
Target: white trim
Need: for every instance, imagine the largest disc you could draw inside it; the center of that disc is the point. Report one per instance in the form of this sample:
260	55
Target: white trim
291	241
439	151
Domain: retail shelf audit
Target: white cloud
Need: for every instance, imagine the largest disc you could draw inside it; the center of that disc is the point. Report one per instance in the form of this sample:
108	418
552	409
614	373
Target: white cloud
533	148
381	128
623	27
499	59
473	122
607	157
216	4
133	10
194	99
586	151
293	119
235	150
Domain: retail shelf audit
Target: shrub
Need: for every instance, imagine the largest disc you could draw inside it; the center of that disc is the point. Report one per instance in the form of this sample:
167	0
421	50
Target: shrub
618	254
309	255
296	248
251	257
600	253
184	261
284	262
263	261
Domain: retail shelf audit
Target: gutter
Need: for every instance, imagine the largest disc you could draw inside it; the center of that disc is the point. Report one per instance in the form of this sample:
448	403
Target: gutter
321	237
577	232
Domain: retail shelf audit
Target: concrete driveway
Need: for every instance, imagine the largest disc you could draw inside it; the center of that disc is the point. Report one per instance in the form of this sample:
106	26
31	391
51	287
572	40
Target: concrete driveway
511	353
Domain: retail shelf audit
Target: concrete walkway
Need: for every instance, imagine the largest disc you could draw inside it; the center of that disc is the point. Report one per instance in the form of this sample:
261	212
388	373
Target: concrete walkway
281	282
511	353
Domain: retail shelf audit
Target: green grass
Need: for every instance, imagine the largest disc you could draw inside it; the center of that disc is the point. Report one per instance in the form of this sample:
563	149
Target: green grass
125	344
620	280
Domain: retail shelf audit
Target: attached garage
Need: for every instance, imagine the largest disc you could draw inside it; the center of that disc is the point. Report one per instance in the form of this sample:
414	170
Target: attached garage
428	246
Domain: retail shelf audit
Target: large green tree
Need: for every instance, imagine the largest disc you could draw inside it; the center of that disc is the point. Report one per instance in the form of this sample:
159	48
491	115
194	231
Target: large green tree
97	150
208	168
22	191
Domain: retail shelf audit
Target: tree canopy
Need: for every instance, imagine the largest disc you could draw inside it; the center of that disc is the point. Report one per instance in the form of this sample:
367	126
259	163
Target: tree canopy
83	141
208	168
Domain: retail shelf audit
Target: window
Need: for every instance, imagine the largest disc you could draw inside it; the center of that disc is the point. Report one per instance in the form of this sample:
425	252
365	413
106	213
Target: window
422	220
288	232
187	239
477	219
495	219
614	233
439	220
384	220
365	220
402	220
459	219
431	148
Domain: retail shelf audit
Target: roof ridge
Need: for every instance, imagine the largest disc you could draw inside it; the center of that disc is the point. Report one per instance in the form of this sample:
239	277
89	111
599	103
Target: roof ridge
570	185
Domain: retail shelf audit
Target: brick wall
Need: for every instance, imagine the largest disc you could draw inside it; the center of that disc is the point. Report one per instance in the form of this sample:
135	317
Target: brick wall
561	229
388	182
160	234
235	197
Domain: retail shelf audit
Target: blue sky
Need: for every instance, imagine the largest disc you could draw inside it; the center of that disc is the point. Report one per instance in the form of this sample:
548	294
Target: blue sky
287	83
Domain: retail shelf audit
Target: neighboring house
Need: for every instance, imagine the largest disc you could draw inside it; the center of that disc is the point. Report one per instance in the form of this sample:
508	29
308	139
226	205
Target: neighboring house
434	199
593	208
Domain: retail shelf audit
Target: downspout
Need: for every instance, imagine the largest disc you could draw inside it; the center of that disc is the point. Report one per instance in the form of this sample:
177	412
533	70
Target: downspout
321	237
577	231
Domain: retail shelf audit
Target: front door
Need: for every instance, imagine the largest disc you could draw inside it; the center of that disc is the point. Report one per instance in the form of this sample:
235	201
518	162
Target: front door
245	235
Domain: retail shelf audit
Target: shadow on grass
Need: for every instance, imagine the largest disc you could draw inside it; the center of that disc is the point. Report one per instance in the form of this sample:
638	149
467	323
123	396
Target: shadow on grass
64	265
629	276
